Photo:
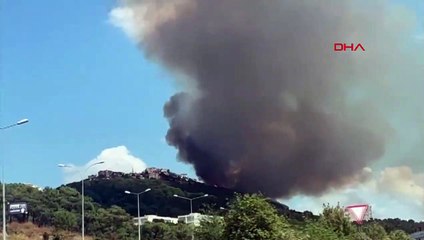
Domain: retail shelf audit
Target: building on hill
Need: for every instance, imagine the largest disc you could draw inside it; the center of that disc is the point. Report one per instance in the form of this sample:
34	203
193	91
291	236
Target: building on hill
153	173
92	177
107	174
135	175
117	174
148	173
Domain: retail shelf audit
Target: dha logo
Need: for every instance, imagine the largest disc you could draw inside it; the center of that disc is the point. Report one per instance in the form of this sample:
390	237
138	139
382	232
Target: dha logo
343	46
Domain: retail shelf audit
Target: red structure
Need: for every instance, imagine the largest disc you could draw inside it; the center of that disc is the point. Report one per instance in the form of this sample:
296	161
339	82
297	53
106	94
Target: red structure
359	213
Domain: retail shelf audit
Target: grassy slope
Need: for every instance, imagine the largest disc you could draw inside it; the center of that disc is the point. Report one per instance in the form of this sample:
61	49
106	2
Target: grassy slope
29	231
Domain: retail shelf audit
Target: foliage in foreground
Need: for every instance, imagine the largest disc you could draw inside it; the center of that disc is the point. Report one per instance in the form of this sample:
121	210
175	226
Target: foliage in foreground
61	209
248	217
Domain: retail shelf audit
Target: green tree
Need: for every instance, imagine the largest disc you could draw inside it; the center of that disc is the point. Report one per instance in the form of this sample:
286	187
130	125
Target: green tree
179	231
375	232
251	217
359	235
64	220
111	223
336	219
320	230
155	231
211	229
399	235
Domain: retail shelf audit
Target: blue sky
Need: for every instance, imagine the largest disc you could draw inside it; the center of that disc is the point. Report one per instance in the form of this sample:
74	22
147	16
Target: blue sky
86	87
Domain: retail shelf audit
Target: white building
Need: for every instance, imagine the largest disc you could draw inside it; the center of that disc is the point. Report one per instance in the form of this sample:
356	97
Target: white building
151	218
418	235
193	218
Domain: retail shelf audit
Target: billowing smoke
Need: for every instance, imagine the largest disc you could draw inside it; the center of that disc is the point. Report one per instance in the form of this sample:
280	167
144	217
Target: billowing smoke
269	106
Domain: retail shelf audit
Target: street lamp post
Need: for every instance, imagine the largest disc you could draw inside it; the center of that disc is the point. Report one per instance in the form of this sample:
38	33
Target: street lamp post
138	209
82	193
23	121
191	205
191	200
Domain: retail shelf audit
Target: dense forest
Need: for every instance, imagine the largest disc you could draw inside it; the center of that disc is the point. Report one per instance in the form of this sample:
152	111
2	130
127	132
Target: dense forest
109	211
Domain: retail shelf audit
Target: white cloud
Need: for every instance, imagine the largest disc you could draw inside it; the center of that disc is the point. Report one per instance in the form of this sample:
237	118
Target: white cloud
150	13
116	159
402	181
394	192
123	17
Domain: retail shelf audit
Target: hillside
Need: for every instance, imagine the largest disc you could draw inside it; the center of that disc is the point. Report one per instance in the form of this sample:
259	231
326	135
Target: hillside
109	190
107	207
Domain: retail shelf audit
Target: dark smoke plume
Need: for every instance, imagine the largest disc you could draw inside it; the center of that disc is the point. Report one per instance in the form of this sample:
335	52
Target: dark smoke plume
269	106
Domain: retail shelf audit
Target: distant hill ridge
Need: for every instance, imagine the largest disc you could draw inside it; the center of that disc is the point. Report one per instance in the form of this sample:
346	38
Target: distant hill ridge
219	196
107	188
